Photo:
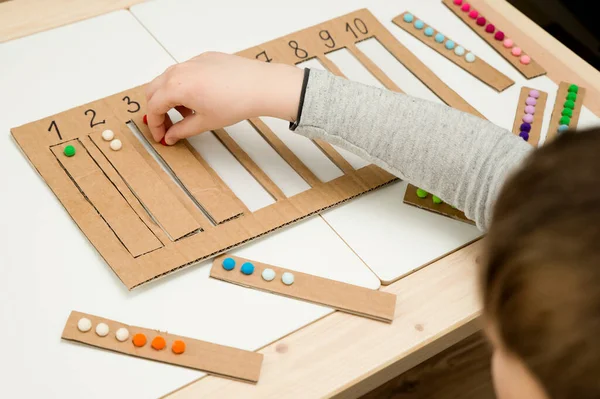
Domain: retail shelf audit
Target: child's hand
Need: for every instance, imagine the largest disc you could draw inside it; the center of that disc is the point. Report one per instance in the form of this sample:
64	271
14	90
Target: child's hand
215	90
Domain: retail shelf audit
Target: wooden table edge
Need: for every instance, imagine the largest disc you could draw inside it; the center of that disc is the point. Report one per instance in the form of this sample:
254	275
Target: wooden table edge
17	20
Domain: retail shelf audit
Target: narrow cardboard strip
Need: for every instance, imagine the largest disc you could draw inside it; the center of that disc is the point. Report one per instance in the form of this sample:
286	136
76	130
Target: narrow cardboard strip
479	68
561	97
373	69
444	209
199	355
284	152
538	117
196	179
148	187
249	164
425	75
106	199
530	70
345	297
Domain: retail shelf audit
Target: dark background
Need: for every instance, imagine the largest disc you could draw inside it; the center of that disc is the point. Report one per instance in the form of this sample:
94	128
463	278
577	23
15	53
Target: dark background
576	23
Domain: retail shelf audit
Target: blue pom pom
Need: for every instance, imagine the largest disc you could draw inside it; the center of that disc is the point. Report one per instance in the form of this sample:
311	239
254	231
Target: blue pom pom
247	268
408	17
428	31
419	24
228	263
439	38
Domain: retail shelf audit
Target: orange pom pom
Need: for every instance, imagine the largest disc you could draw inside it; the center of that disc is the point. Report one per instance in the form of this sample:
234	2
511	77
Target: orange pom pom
178	347
159	343
139	340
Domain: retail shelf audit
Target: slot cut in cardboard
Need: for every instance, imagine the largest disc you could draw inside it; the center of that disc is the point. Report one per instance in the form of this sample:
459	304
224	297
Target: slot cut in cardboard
106	199
479	68
193	237
199	355
531	70
538	117
561	98
344	297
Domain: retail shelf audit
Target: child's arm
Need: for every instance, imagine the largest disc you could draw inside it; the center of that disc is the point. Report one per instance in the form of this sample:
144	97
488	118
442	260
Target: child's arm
462	159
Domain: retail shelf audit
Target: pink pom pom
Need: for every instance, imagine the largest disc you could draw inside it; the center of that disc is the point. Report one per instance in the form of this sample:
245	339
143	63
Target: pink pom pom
481	21
508	43
530	109
525	60
458	2
528	118
516	51
473	14
490	28
465	7
531	101
534	93
499	35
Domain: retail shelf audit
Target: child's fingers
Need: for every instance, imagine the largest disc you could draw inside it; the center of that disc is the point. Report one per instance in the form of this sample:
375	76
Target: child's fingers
185	128
184	111
157	83
158	106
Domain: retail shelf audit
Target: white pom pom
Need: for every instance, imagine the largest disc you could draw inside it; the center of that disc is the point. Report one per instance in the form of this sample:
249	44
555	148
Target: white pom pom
102	329
116	145
108	135
84	324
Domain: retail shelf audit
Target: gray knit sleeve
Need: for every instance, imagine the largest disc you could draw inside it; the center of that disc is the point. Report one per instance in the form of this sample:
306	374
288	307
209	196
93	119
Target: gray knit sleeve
461	158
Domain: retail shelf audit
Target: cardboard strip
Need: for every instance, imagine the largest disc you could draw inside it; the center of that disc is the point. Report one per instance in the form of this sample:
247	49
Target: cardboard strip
347	298
538	117
196	179
373	69
479	68
444	209
425	75
561	98
530	70
277	144
249	164
106	199
164	207
199	355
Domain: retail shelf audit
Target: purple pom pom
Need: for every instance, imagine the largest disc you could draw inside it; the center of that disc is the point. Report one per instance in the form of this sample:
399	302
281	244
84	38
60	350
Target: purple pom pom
525	127
524	136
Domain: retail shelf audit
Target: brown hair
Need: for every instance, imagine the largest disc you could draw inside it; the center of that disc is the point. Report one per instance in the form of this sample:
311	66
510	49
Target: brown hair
541	276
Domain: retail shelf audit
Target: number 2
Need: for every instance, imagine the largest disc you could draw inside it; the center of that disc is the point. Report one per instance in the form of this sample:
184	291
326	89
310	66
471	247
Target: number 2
92	123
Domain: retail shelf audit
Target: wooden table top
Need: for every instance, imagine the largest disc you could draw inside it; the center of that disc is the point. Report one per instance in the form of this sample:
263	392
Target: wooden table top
342	355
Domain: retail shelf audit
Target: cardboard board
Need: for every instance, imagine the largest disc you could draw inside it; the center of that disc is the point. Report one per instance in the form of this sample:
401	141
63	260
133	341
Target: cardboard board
479	68
538	117
345	297
188	207
561	97
530	70
199	355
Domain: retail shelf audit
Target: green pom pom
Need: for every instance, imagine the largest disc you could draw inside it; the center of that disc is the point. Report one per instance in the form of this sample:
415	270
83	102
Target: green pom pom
437	200
421	193
572	97
565	120
567	112
569	104
69	151
573	89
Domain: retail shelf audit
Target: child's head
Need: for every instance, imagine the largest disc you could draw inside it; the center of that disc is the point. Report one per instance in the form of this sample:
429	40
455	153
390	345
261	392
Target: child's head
541	279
